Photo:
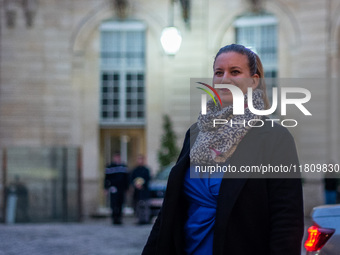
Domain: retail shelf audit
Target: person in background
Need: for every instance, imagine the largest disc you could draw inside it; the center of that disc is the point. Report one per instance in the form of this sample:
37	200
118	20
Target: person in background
140	178
19	194
116	183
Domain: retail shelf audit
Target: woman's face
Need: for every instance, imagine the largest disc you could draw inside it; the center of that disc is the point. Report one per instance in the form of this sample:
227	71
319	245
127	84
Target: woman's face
232	68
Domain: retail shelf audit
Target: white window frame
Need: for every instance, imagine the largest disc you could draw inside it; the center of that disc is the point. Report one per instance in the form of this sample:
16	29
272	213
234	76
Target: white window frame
123	70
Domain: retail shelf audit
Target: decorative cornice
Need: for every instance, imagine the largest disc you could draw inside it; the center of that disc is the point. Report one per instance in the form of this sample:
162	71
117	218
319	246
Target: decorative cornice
121	8
11	7
256	6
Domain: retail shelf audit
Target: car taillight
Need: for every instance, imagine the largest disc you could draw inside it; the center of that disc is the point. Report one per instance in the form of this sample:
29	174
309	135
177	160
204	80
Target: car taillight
317	237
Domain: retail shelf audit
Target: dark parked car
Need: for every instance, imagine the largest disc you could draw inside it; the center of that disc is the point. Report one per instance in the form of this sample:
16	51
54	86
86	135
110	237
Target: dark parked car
324	235
157	189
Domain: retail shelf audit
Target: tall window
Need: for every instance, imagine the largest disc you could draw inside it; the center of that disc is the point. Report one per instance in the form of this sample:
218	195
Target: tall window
122	73
259	32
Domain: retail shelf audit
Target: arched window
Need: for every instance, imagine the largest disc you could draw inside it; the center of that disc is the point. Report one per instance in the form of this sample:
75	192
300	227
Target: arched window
122	68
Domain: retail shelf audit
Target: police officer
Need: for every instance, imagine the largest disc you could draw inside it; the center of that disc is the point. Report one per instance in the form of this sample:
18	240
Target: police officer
116	183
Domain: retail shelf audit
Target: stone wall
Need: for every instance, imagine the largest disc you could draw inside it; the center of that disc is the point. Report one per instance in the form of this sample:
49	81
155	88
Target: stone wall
49	87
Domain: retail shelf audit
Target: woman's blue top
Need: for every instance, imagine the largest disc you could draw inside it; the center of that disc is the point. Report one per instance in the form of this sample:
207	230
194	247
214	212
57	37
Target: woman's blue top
201	194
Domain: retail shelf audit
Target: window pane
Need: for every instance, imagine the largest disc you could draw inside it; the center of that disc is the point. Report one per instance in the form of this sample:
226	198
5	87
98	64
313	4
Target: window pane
135	48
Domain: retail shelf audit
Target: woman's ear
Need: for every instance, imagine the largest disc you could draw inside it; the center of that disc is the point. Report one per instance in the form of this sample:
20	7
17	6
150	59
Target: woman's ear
255	81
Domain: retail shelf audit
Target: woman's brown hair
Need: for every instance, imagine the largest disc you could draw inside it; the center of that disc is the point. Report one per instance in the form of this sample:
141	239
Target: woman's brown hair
254	63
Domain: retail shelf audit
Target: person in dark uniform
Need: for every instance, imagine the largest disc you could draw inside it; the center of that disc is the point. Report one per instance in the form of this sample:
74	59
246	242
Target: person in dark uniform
116	183
140	179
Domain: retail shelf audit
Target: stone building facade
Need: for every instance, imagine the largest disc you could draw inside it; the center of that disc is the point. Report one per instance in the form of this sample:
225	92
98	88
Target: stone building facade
52	75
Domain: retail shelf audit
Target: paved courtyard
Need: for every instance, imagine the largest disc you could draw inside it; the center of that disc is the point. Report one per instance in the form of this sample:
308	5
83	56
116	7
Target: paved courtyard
92	237
95	237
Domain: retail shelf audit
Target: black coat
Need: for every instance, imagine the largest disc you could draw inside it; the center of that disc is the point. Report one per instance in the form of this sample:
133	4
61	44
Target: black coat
253	216
144	173
116	175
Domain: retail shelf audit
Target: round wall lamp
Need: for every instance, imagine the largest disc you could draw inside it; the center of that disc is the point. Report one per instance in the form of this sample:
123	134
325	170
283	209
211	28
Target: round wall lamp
171	40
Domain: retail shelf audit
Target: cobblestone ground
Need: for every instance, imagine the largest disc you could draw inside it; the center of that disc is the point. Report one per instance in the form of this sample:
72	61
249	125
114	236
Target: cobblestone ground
92	237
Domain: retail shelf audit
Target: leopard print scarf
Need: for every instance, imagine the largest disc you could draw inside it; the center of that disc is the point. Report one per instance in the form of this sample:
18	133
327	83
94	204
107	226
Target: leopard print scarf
217	144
